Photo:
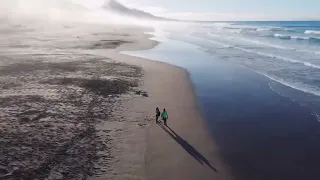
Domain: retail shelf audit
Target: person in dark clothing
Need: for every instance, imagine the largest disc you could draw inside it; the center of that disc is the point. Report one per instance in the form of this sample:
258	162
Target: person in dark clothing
157	114
164	116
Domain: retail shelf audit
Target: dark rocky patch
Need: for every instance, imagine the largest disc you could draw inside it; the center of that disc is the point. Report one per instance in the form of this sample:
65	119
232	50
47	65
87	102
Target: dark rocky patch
46	136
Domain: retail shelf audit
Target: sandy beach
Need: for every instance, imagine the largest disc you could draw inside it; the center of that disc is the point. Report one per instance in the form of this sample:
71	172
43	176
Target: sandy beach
80	82
184	149
86	111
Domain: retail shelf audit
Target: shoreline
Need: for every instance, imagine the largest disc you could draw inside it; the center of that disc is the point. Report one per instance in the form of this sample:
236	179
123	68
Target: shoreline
76	108
260	126
194	159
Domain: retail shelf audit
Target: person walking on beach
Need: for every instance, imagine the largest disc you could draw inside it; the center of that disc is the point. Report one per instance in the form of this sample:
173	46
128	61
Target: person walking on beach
164	116
157	114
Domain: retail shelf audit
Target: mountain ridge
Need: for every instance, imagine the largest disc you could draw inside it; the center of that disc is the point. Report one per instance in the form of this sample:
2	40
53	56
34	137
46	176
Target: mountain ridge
115	6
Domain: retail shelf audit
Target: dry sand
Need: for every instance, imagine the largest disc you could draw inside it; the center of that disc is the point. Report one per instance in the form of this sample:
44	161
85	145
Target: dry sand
53	99
62	118
184	149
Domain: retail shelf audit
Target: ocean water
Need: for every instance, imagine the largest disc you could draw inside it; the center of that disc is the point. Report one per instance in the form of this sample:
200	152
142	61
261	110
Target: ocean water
285	52
258	86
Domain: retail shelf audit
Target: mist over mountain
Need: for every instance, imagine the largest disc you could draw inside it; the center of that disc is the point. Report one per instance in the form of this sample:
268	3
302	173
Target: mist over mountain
115	6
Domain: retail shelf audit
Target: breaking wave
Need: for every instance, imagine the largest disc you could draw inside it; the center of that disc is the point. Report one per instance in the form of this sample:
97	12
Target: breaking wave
312	32
288	37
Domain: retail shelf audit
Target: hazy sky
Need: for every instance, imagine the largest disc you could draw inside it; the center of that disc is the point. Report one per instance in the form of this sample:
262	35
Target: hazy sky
225	9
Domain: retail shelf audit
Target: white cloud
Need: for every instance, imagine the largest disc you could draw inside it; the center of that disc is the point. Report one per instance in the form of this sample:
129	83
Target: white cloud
154	9
89	4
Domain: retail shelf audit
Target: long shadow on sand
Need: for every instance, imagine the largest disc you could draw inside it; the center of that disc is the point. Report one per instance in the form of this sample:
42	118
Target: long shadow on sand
187	147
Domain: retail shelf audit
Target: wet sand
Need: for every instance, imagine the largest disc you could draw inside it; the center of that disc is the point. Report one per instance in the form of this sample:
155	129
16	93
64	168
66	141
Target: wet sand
184	149
85	111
